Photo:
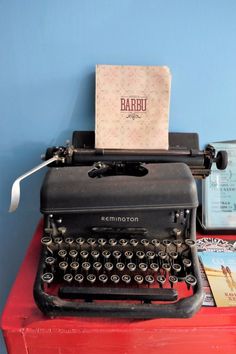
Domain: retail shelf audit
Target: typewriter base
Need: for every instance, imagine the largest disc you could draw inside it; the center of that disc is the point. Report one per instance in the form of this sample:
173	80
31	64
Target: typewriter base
26	330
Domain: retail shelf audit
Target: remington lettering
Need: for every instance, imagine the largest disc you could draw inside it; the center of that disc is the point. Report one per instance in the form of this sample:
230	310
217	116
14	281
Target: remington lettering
119	219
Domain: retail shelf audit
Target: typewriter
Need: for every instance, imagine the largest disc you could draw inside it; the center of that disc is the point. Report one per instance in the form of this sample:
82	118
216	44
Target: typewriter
119	229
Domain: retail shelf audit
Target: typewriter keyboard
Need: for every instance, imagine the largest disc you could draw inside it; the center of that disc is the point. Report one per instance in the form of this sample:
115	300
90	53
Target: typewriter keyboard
111	268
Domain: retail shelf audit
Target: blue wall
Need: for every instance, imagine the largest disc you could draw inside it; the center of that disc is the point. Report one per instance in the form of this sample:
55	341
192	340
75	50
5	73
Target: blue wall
48	52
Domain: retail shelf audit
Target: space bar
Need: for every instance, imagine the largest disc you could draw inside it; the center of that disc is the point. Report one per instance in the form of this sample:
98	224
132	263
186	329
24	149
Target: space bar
92	293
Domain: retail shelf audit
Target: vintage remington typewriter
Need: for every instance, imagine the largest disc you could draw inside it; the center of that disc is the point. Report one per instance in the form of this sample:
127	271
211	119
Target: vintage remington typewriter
119	229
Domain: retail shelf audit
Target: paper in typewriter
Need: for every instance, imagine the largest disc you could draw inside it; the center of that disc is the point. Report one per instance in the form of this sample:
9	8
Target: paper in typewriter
132	107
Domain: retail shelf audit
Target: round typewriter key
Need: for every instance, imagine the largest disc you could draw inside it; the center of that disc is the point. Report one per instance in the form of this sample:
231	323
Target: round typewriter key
166	243
145	242
173	255
161	279
123	242
73	254
115	278
68	278
126	278
143	267
190	242
138	278
112	241
150	255
62	253
91	241
166	267
116	254
91	278
173	280
131	266
46	241
63	265
140	254
50	261
106	254
120	266
176	267
149	279
80	241
155	242
58	240
79	278
187	263
176	232
97	266
177	243
74	265
103	278
95	254
86	266
154	267
47	278
190	280
128	254
108	266
84	254
133	242
102	241
162	255
69	240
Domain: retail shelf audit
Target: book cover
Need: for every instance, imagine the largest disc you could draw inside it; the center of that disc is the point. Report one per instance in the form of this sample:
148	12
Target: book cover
132	107
220	268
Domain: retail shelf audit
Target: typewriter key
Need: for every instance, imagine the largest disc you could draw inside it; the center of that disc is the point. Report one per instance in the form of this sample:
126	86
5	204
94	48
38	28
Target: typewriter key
131	266
154	267
79	278
150	255
176	232
120	266
173	280
46	241
128	254
166	267
63	265
74	265
126	278
161	279
116	254
91	278
162	255
178	244
58	240
115	278
102	241
73	254
86	266
62	254
149	279
123	242
47	278
112	241
176	267
103	278
189	242
186	263
133	242
50	261
95	254
69	240
108	266
173	255
91	241
138	279
80	241
166	243
106	254
97	266
68	278
155	242
84	254
140	254
190	280
144	242
143	267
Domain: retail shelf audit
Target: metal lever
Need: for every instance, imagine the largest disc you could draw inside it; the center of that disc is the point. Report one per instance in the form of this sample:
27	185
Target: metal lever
15	191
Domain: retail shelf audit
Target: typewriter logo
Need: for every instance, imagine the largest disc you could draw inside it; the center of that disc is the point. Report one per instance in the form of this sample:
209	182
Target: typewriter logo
119	219
134	106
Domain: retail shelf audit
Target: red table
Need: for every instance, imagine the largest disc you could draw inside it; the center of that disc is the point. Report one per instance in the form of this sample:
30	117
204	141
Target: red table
27	331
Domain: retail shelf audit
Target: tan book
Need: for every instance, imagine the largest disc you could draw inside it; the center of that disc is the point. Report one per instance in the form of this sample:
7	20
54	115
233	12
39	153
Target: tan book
132	107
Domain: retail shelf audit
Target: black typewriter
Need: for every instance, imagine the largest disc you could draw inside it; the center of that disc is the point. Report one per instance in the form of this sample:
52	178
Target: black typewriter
119	229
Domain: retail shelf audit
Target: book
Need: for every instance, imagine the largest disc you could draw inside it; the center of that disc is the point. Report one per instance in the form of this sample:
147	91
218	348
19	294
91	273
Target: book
220	269
132	107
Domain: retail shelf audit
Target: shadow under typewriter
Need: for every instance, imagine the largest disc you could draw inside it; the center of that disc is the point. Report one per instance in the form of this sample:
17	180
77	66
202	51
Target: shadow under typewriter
122	252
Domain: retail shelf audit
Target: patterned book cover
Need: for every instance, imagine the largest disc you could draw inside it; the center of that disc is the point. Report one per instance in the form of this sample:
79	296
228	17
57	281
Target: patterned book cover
220	268
132	107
